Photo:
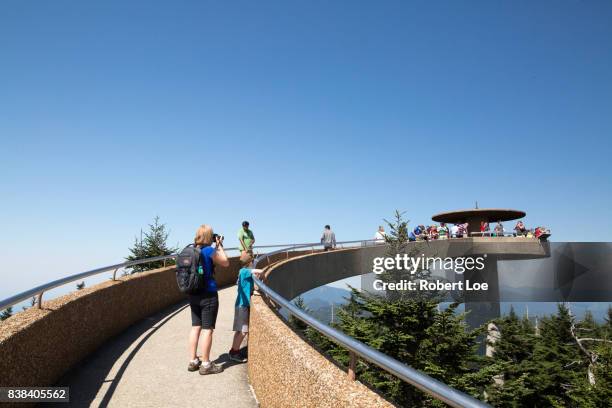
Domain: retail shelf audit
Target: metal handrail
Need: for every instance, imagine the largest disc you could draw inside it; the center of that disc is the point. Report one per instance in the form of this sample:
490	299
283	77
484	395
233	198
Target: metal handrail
425	383
38	291
267	255
493	234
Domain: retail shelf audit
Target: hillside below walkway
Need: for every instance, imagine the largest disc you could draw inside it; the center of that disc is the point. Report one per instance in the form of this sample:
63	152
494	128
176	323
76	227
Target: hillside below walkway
146	366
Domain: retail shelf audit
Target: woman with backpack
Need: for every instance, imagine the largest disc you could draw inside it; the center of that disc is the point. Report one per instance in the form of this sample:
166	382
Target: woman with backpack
204	302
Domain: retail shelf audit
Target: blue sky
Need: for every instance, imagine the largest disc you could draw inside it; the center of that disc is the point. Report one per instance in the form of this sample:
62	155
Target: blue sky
293	115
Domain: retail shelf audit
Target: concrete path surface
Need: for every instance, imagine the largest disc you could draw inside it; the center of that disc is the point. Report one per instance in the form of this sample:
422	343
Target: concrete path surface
146	366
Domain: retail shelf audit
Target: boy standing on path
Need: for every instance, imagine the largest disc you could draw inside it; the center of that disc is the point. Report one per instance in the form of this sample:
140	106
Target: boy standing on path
243	305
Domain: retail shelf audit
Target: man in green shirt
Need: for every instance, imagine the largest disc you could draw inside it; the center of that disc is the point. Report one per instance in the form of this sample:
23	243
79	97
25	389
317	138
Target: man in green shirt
246	238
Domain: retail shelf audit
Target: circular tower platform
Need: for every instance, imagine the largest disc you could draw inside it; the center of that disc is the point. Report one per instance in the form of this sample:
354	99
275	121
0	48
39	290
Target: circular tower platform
475	215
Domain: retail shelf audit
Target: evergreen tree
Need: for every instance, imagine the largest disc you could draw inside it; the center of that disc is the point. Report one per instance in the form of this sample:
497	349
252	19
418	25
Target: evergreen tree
294	322
398	243
516	343
313	336
550	369
6	313
516	340
33	302
595	345
415	333
154	243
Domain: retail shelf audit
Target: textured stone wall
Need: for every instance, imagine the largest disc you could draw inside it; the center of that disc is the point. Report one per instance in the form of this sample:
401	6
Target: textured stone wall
285	371
38	346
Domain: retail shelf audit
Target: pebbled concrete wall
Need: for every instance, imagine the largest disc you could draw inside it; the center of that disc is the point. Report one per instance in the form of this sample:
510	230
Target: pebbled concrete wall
285	371
38	346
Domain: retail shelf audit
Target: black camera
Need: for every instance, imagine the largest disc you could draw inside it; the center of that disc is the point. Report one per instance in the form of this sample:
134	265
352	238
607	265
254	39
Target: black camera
215	236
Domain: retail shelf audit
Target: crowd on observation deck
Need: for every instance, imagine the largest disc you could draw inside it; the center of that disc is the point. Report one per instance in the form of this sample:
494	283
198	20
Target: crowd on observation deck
461	230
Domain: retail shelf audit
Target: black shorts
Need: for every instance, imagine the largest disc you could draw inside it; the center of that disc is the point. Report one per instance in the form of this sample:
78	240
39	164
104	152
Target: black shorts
204	309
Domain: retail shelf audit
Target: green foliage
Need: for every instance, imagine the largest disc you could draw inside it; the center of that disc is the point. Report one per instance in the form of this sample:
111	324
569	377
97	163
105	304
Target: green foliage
398	244
6	313
33	302
397	237
294	322
435	342
548	369
154	243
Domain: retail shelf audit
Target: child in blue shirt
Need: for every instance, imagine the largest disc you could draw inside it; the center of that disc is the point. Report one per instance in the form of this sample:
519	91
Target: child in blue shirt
244	285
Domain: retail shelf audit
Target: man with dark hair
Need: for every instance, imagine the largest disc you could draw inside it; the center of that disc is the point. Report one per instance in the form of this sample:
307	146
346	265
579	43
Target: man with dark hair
328	239
246	238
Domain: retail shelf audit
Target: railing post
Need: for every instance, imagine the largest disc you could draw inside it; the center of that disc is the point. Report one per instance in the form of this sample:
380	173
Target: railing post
40	300
312	250
351	366
287	254
115	274
165	262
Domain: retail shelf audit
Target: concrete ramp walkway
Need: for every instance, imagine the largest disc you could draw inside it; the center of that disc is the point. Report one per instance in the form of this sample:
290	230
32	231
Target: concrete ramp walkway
146	366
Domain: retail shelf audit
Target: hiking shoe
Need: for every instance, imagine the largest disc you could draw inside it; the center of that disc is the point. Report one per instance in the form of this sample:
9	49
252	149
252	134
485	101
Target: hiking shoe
212	368
194	365
237	357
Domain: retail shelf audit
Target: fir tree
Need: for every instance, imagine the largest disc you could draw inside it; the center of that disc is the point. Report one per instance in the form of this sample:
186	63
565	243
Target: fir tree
154	243
595	347
415	333
517	338
33	302
294	322
6	313
550	369
313	336
398	243
516	343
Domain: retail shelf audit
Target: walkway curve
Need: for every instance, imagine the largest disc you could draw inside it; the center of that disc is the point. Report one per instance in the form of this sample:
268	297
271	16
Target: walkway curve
146	366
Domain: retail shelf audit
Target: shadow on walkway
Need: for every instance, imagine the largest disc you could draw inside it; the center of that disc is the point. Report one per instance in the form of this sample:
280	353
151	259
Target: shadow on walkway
106	357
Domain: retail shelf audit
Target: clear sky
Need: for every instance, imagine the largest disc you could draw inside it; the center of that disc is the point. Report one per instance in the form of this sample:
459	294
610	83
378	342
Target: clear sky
293	115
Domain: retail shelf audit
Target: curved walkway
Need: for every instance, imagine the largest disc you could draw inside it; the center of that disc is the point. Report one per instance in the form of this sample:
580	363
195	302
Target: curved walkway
146	366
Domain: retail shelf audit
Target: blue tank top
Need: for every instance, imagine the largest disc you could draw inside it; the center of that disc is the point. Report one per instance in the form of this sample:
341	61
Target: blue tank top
208	269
